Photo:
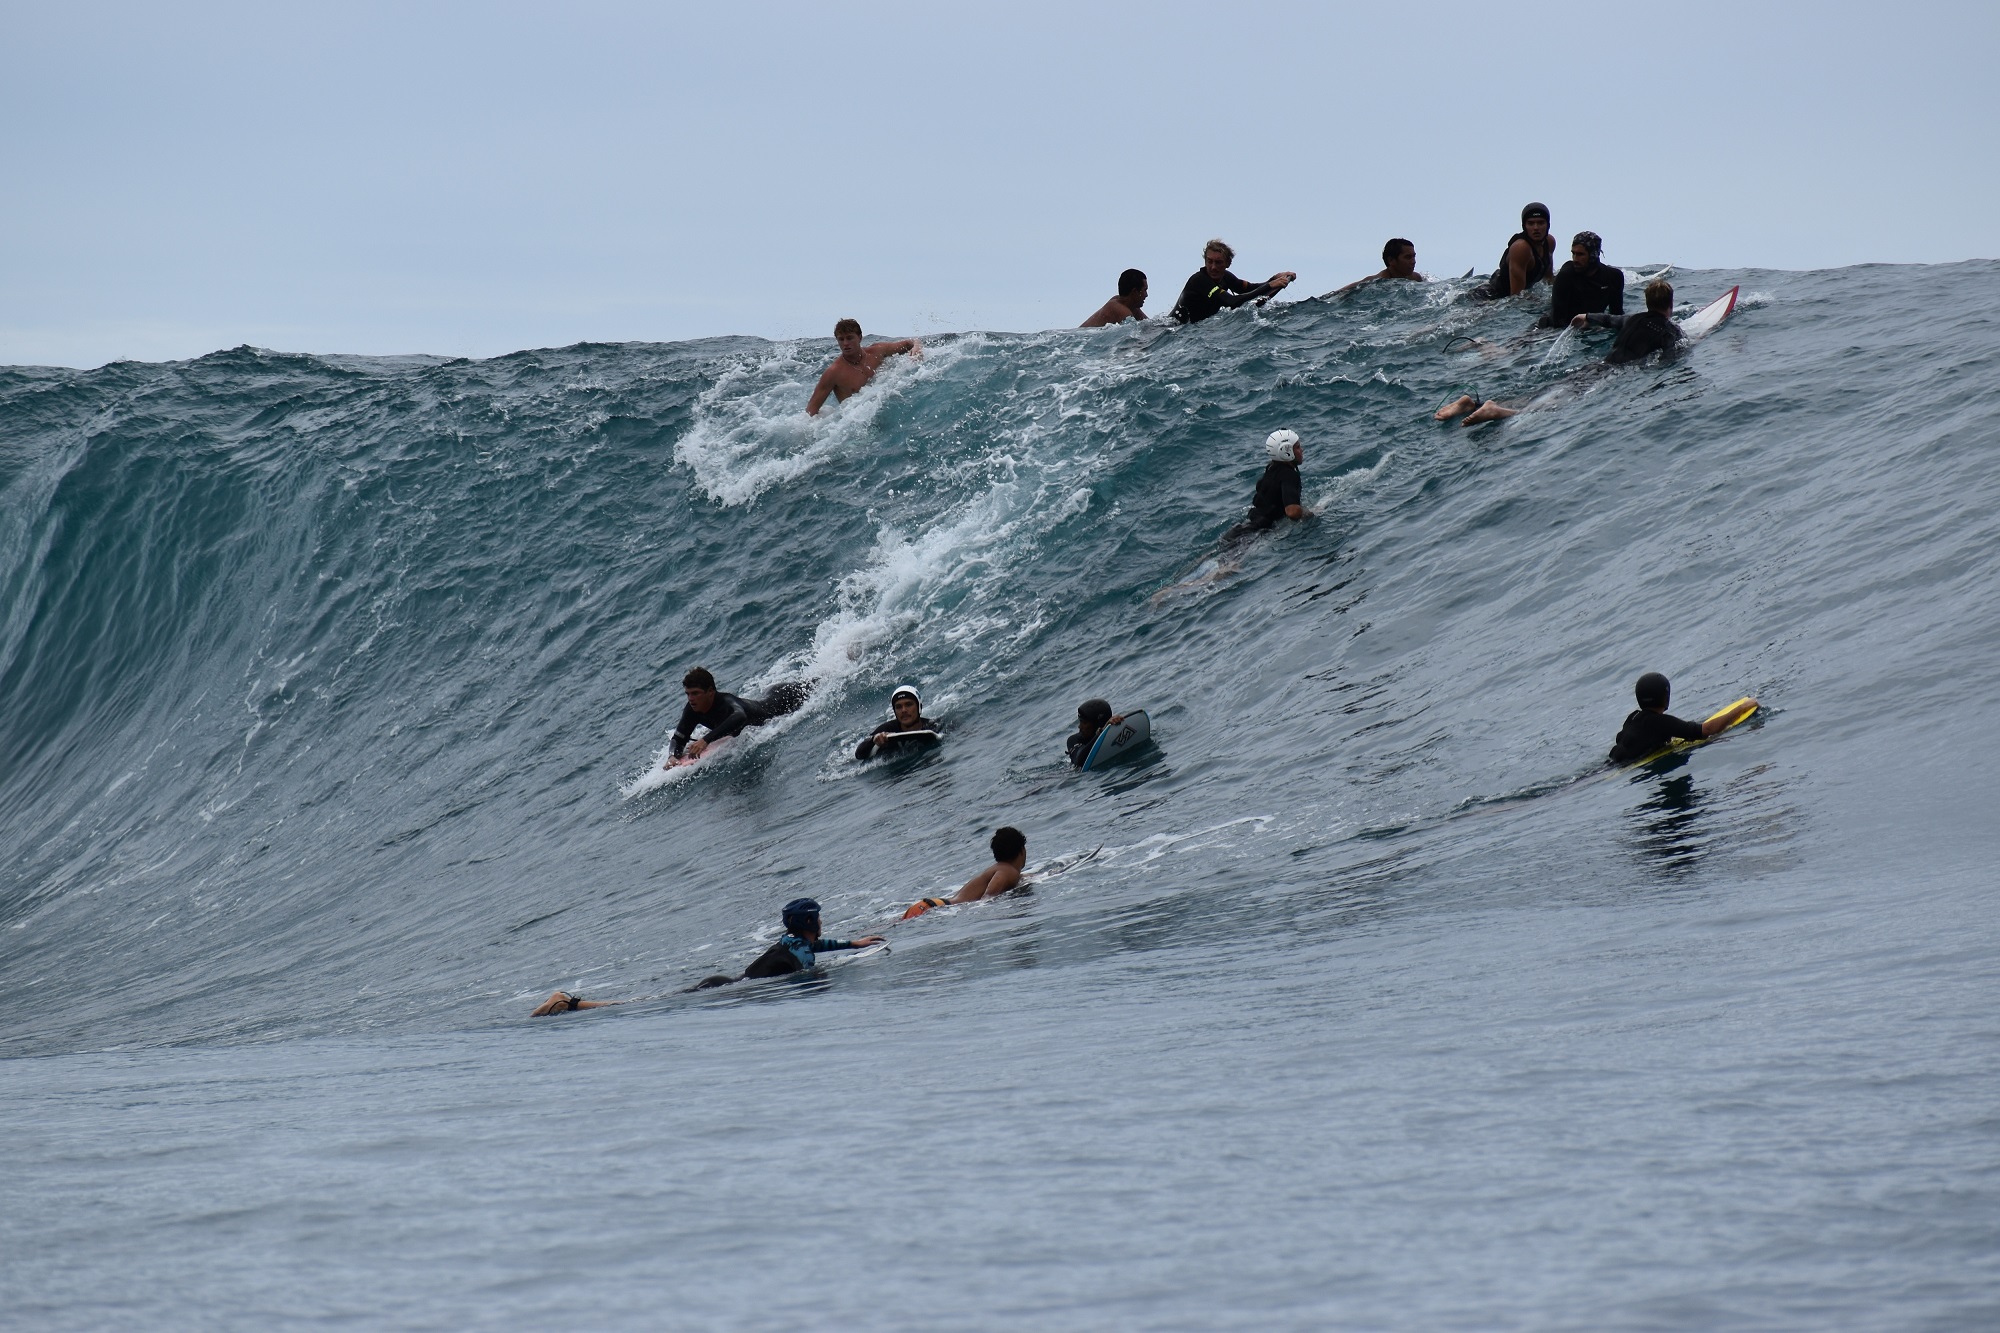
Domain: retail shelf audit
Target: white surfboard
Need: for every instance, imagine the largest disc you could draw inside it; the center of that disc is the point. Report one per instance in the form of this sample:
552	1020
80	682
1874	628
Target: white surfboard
1119	739
1705	319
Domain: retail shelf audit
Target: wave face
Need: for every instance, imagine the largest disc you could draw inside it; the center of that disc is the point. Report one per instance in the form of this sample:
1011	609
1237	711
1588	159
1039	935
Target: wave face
332	692
331	678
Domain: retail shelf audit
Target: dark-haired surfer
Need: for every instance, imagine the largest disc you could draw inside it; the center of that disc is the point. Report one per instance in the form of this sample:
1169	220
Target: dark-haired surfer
1399	261
905	714
1585	285
1128	304
1010	857
855	366
725	715
1215	288
1527	260
1650	727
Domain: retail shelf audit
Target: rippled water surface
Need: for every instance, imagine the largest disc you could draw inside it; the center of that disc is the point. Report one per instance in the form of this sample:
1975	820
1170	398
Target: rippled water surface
331	697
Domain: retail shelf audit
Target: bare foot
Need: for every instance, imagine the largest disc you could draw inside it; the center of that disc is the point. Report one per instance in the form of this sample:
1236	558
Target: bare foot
1489	411
1464	404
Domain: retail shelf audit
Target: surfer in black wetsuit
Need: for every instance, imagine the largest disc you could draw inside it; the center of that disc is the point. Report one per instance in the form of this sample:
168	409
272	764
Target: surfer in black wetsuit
1650	727
1584	286
794	952
1641	335
726	715
1528	259
1278	490
1092	716
1216	288
906	714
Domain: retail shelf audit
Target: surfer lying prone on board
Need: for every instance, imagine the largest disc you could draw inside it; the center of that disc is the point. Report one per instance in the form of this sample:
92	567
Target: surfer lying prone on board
1639	336
725	715
1277	494
795	951
1010	857
907	727
1651	727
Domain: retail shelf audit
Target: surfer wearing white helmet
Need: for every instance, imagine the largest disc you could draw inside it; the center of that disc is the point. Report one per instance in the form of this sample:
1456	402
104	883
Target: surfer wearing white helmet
1277	494
907	726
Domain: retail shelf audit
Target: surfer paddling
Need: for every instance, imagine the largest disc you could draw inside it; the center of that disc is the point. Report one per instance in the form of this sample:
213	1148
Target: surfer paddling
907	726
856	365
1215	288
1278	490
1639	336
797	950
1651	727
1399	263
722	716
1010	858
1128	304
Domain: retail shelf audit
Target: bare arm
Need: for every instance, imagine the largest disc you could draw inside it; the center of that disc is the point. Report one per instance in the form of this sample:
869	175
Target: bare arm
820	391
562	1002
910	345
1519	256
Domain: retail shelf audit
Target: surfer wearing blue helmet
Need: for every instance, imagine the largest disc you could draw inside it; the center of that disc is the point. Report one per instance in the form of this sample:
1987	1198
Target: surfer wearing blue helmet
794	952
1278	490
907	727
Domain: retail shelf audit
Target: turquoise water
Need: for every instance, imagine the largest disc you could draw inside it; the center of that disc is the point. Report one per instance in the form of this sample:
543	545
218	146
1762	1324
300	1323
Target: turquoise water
332	692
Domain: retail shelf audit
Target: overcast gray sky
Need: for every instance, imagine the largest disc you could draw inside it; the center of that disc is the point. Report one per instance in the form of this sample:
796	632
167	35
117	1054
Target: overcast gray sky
473	179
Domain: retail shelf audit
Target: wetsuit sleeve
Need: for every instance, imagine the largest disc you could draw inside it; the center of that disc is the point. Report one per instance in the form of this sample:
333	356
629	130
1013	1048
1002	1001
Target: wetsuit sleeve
1680	728
1290	492
1616	290
824	945
732	721
683	730
1078	749
866	749
1615	320
1242	294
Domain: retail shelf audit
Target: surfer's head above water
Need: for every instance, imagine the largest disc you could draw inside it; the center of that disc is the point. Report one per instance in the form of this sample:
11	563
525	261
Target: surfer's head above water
1660	296
1283	446
907	707
801	917
1008	843
905	692
1093	713
1653	690
1589	242
1534	211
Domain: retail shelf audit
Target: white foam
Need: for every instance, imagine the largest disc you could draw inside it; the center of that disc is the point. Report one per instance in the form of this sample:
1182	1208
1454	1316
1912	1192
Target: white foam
1347	483
751	431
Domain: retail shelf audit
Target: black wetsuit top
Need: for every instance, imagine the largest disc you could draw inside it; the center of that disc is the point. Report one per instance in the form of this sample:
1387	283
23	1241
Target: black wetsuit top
1079	745
1639	336
1497	288
1579	291
1203	296
1277	490
867	749
1646	732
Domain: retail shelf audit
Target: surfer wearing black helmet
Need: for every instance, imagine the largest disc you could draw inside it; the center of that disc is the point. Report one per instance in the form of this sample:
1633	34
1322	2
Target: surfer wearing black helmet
1651	727
1585	285
1527	260
1215	288
906	715
1092	716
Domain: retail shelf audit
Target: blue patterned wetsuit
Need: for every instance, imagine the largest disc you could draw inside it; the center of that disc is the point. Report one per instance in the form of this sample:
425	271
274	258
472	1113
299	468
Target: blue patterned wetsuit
793	953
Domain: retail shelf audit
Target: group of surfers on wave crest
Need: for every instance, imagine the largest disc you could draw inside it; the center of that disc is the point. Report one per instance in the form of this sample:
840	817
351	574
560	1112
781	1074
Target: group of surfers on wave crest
1585	293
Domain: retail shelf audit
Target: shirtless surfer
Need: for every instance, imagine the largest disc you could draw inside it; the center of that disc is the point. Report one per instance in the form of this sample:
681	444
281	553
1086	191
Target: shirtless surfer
1399	261
1010	857
1128	304
1526	261
855	365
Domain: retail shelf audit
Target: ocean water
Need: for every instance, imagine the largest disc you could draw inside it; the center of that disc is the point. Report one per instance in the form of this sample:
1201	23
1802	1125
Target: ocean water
332	692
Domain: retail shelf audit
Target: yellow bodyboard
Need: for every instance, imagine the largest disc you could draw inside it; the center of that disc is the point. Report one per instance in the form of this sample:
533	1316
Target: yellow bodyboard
1733	716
